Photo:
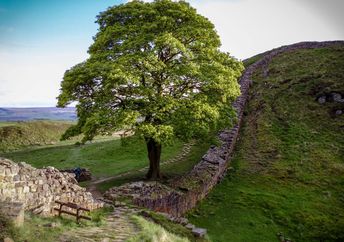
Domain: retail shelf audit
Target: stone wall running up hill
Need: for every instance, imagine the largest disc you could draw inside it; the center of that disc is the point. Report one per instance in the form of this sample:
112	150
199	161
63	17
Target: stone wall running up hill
183	193
38	189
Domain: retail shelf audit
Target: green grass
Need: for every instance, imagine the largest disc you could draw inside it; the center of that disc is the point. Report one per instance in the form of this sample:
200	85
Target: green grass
288	175
252	60
168	170
36	229
107	158
5	123
112	157
174	228
17	135
151	232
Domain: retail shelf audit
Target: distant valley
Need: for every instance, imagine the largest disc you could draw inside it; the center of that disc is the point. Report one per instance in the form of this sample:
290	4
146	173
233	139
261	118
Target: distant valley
41	113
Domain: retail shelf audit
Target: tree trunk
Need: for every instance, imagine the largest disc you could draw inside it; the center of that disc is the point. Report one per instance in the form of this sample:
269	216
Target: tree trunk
154	152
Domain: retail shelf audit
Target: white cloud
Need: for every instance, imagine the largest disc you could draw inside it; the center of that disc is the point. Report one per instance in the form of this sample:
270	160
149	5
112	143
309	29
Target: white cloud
29	78
249	27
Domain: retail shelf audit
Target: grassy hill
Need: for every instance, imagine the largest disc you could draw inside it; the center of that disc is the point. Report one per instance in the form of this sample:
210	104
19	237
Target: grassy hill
102	158
15	135
39	113
287	176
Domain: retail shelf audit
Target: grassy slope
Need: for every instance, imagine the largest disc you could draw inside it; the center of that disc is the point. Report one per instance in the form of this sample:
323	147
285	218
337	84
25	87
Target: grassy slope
288	174
15	135
153	232
103	159
168	170
174	228
4	124
36	229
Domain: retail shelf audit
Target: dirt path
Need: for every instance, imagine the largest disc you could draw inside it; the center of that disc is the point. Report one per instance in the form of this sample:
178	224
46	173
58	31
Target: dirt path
118	227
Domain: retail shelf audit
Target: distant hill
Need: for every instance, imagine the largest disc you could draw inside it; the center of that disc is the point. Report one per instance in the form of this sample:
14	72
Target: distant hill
46	113
18	135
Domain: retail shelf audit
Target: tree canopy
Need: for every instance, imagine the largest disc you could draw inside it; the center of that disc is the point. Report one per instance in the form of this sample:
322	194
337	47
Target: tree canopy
157	69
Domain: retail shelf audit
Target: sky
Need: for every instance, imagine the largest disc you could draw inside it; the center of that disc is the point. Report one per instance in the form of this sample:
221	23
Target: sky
40	39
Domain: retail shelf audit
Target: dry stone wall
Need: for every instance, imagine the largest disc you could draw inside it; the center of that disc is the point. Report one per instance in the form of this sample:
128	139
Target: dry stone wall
183	193
38	189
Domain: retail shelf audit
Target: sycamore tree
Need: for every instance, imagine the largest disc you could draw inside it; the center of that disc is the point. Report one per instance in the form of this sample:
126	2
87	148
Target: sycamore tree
156	69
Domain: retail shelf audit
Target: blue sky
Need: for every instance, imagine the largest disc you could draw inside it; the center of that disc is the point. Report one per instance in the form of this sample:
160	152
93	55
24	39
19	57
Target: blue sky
41	39
33	23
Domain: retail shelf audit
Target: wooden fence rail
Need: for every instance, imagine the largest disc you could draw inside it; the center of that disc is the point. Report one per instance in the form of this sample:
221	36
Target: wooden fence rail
73	206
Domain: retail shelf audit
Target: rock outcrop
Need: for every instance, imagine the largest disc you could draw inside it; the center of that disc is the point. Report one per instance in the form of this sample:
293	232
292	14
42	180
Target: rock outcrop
38	189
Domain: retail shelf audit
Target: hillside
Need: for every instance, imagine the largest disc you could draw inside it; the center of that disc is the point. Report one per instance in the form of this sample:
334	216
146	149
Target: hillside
287	176
17	135
46	113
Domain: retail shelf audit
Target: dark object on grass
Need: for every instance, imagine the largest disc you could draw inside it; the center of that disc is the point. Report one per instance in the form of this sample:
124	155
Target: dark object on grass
81	174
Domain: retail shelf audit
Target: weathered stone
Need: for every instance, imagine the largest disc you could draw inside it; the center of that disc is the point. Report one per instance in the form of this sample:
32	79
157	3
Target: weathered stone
199	232
183	221
8	172
37	189
337	97
212	156
16	178
338	112
26	189
2	170
190	226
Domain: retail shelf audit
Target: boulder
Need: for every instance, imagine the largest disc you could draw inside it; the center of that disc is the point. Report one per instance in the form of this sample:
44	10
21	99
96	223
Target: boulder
322	99
190	226
338	112
337	97
199	232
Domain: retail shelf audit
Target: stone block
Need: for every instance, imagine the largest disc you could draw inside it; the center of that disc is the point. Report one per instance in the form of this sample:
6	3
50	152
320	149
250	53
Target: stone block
15	169
16	178
8	172
33	188
45	187
2	170
190	226
19	190
26	189
199	232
